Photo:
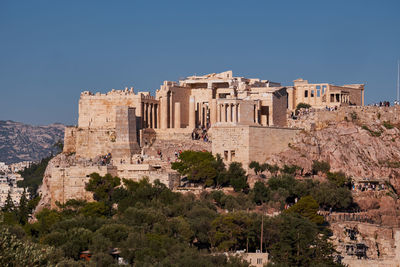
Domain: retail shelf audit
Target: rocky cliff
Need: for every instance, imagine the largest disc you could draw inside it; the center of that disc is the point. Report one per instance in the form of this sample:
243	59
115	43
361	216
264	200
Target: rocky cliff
363	142
20	142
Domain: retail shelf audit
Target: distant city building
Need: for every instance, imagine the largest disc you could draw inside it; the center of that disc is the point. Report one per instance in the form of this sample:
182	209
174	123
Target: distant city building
8	184
4	167
20	166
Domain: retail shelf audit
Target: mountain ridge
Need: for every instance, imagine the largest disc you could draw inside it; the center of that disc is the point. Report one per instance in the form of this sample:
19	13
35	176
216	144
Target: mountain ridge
21	142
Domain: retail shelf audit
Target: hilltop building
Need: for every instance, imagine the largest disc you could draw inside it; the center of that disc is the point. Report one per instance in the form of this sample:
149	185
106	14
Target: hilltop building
120	131
119	122
321	95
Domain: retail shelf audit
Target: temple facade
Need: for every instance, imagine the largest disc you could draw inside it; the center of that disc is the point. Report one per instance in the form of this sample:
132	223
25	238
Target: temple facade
122	121
321	95
202	101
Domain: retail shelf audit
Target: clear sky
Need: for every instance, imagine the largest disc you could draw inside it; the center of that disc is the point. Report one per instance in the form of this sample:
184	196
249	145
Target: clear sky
50	51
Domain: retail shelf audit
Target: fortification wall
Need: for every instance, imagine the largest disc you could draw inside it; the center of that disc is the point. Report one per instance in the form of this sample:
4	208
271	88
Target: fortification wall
98	110
92	143
265	141
173	134
319	119
232	143
137	172
70	139
247	143
279	108
66	183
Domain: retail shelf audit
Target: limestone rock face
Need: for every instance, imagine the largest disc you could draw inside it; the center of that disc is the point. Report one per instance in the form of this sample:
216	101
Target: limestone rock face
44	190
362	148
65	178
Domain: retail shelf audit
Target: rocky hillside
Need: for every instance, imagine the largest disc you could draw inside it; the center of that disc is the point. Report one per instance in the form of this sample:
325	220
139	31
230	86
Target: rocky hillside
20	142
363	142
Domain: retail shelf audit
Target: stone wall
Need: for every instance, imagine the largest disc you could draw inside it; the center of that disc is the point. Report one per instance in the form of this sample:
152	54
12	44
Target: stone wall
66	183
279	108
91	143
319	119
137	172
70	139
266	141
382	243
247	143
126	143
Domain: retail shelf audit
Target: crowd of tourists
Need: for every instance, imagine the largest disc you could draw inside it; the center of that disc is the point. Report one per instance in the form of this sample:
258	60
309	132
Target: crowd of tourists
200	134
384	104
368	187
105	160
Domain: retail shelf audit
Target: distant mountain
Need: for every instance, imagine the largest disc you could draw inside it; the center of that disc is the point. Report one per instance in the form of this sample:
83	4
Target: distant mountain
19	142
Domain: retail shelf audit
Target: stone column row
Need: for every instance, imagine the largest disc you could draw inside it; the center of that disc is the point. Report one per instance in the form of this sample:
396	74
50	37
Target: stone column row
202	111
345	98
228	112
150	115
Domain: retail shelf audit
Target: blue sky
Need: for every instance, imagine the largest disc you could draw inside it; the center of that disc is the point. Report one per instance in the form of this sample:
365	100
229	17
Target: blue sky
50	51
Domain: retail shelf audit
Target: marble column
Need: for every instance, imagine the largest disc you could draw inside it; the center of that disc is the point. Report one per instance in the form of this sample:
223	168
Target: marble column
171	112
213	112
145	115
164	112
192	113
148	115
219	113
142	114
200	113
153	116
223	112
177	121
256	113
238	112
229	112
234	110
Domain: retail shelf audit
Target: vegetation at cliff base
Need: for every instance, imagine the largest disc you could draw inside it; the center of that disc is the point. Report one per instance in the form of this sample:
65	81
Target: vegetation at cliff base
153	226
150	225
33	176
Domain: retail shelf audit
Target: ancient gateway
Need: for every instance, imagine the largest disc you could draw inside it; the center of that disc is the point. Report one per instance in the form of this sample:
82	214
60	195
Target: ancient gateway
133	135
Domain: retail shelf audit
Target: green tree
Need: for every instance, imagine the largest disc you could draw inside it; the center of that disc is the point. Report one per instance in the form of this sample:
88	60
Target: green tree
220	180
33	176
94	209
308	208
103	188
340	179
9	204
302	105
260	193
264	167
328	195
255	166
237	176
15	251
273	169
320	166
23	209
198	166
229	232
290	169
299	242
